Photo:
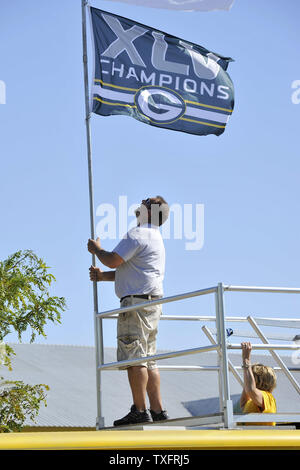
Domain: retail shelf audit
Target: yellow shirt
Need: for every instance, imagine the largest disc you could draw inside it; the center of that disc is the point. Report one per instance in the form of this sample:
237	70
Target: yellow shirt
270	407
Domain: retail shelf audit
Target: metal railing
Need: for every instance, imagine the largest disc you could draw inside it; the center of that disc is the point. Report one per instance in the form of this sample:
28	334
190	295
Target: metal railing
220	345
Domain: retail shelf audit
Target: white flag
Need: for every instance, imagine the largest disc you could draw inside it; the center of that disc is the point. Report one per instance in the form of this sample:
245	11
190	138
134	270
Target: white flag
186	5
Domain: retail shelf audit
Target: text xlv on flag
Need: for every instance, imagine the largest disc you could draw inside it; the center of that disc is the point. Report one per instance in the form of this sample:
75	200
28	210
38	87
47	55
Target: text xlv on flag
157	78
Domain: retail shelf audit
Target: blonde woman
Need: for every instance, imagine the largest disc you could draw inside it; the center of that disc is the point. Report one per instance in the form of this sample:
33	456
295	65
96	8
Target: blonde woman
259	382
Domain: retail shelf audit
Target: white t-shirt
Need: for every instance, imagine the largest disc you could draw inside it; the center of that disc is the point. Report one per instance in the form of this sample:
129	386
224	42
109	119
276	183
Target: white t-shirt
142	272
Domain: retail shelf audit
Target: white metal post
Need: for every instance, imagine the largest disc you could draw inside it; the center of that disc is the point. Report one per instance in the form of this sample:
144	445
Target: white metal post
221	338
97	321
230	364
219	357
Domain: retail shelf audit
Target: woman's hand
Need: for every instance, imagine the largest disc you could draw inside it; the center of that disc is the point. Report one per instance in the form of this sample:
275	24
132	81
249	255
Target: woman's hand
246	351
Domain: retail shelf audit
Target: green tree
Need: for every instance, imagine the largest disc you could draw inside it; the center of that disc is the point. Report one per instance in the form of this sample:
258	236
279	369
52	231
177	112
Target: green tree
25	304
19	401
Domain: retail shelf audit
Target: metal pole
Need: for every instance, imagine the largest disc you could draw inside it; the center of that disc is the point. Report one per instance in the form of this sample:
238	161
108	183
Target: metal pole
267	347
219	357
230	364
277	290
227	402
97	322
157	357
151	303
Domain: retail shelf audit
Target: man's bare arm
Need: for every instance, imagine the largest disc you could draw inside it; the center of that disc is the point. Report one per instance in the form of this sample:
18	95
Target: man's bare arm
109	275
108	258
97	275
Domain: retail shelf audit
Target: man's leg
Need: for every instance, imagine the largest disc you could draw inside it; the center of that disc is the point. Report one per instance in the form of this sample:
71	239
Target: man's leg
138	379
153	390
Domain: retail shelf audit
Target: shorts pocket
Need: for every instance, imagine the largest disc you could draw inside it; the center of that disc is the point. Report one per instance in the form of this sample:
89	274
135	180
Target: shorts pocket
129	348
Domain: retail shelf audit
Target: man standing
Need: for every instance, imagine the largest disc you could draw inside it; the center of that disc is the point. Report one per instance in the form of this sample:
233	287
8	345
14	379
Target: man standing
139	263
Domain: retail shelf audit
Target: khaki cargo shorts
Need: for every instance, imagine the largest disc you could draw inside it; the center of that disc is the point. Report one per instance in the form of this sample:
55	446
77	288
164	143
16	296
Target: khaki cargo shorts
136	332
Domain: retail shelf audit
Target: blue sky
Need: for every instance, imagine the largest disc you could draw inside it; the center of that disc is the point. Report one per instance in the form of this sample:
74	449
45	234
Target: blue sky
247	179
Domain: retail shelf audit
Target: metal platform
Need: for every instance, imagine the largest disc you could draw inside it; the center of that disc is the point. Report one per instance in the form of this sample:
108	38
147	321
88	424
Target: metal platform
216	421
177	423
226	417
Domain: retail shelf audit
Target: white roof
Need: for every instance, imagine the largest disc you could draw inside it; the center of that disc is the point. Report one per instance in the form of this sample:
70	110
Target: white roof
70	373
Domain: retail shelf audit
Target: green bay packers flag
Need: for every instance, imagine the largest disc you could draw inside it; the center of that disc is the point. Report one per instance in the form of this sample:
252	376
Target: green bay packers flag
157	78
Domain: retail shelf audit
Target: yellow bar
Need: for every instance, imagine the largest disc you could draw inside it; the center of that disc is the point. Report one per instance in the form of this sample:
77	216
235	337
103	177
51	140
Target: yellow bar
115	86
186	101
208	106
161	439
201	122
114	104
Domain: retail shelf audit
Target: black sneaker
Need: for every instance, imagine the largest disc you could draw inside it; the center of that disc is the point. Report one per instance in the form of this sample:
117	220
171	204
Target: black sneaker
134	417
161	416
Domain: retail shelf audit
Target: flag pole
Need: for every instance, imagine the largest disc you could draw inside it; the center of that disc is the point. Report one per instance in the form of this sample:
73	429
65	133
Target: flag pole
97	322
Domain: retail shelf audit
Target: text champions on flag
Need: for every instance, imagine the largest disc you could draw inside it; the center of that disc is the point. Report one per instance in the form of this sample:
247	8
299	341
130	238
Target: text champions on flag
157	78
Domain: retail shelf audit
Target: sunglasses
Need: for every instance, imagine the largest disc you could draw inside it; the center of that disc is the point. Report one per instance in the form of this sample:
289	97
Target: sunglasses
147	202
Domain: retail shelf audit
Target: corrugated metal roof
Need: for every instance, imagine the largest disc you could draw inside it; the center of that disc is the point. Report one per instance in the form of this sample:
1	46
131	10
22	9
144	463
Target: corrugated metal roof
70	373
